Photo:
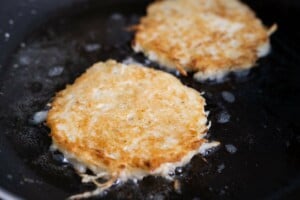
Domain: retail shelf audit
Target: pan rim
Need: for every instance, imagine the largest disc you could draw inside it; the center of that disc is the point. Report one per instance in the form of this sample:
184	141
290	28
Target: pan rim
6	195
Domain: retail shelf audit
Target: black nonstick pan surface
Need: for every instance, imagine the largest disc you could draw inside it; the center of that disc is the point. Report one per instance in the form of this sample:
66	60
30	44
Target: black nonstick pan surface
46	44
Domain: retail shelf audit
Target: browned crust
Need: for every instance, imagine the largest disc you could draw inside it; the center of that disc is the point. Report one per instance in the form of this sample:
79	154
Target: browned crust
159	29
94	150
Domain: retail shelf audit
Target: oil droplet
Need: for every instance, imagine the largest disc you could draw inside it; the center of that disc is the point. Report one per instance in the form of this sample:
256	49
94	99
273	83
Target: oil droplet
221	168
23	45
11	22
92	47
24	60
227	96
178	170
9	176
230	148
55	71
130	60
117	16
39	117
33	12
6	36
223	117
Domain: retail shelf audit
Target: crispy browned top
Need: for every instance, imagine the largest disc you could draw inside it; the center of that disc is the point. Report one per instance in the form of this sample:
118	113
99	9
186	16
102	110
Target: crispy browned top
205	36
120	118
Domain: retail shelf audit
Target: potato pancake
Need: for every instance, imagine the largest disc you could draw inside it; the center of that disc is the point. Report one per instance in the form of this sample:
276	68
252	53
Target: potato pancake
208	37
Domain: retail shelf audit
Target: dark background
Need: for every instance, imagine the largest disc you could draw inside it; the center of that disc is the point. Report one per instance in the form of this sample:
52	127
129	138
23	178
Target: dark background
265	122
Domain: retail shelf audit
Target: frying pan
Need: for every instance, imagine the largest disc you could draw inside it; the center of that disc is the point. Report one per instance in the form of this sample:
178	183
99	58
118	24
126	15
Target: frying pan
46	44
